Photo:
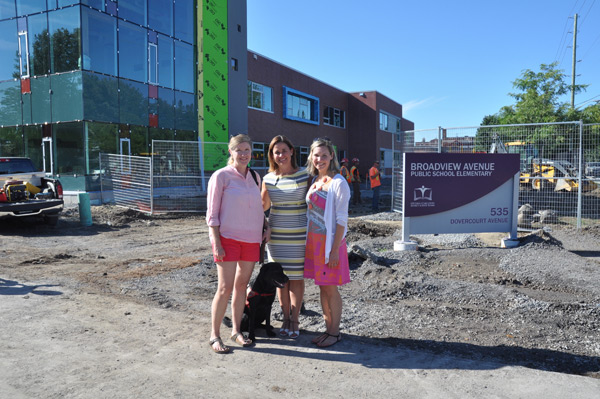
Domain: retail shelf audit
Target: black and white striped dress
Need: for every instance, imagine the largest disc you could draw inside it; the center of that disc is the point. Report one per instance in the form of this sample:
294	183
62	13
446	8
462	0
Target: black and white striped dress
288	221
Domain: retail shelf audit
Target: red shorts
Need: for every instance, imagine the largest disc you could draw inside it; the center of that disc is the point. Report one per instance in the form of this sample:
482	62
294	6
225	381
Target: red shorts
238	250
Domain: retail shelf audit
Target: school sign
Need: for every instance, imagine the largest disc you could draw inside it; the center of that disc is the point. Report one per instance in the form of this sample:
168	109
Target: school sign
460	193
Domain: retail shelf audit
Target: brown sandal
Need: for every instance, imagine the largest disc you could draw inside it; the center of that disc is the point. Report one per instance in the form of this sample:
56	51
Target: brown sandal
245	342
224	348
319	338
322	344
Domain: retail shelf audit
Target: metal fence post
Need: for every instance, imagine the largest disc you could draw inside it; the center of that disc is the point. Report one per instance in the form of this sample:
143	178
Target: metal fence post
579	178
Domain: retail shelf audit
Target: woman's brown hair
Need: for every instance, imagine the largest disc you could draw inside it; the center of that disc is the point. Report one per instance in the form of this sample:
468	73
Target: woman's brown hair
273	167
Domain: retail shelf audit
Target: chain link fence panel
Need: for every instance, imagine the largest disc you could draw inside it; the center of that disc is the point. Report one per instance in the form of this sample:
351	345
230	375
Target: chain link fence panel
126	181
560	166
177	178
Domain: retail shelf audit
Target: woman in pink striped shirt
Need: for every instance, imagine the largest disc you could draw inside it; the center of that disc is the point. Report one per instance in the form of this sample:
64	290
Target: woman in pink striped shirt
235	219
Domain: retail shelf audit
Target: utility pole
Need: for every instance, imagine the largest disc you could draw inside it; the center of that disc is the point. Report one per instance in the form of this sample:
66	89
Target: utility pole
574	62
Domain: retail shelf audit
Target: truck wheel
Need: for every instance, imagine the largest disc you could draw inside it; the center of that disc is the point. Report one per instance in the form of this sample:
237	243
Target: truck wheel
51	220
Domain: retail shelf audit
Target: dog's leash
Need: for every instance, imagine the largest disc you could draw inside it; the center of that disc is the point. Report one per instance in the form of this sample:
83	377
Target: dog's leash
252	294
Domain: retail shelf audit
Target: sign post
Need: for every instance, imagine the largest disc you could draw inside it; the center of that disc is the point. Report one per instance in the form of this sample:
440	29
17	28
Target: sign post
459	193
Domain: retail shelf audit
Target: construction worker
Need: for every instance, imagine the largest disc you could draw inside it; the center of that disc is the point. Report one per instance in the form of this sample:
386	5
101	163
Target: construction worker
375	178
345	172
355	177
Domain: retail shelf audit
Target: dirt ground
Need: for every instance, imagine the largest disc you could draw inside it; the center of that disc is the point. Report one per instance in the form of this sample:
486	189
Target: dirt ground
121	309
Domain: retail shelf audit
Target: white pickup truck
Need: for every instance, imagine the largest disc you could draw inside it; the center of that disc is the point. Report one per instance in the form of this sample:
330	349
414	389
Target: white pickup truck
27	192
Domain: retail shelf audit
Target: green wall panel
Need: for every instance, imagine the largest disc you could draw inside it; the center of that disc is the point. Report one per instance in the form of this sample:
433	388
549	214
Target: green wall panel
67	97
41	111
214	70
10	103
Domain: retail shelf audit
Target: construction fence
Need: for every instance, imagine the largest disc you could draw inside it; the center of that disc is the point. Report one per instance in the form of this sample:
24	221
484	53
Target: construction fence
560	166
169	180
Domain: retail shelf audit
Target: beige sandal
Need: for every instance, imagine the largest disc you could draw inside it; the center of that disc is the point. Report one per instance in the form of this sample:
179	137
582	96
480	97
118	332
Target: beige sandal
240	339
224	348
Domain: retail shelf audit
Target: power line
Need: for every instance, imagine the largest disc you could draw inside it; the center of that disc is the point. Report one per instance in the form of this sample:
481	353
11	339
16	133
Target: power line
593	44
587	101
588	13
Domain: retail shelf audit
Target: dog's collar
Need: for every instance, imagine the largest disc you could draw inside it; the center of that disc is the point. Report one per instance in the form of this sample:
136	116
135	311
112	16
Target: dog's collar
252	294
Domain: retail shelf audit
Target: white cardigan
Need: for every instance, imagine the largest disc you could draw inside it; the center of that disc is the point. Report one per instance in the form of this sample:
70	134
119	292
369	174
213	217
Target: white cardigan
336	211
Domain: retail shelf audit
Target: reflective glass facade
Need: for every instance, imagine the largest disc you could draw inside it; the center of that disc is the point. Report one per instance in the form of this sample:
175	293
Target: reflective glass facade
84	74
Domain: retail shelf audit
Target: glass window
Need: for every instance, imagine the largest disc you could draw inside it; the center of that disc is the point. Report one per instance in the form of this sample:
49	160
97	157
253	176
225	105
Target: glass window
160	134
23	55
67	98
185	111
70	149
102	138
32	136
160	16
39	44
133	58
99	42
26	7
186	135
10	103
184	67
300	106
259	157
134	11
64	3
152	63
334	117
9	46
260	96
184	20
100	97
7	9
166	108
139	140
97	4
11	142
383	121
303	158
165	61
133	103
64	39
40	100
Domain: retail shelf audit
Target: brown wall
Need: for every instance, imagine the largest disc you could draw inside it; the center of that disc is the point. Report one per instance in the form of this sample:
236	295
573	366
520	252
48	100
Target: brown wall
263	126
361	137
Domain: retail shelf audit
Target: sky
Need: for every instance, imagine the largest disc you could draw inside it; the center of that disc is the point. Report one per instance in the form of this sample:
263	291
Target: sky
449	63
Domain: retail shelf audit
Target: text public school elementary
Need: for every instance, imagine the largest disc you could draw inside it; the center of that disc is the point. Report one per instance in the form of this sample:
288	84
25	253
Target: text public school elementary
451	169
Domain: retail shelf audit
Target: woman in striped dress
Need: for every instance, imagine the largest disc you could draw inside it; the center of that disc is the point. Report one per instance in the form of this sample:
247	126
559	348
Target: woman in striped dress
283	192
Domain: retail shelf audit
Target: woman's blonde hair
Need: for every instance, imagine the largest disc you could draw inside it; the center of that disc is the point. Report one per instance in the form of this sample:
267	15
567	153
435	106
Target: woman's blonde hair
235	141
334	165
276	140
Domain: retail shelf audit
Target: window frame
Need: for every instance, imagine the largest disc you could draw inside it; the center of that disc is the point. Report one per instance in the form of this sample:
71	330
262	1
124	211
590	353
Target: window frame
313	104
384	119
23	34
330	113
259	156
253	89
152	66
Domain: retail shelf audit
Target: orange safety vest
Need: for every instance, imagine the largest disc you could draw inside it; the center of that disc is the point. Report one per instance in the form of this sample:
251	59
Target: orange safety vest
374	177
355	175
344	172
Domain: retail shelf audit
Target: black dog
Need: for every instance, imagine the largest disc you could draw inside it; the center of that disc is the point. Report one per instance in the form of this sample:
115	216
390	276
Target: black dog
260	297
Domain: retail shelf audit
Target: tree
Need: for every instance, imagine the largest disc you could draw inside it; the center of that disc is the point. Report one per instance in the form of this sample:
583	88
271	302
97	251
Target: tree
538	99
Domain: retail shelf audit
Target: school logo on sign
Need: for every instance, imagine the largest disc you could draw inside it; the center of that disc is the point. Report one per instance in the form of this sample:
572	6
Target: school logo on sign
423	193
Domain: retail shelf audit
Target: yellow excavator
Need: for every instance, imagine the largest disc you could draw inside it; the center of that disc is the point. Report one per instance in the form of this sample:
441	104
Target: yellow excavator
542	173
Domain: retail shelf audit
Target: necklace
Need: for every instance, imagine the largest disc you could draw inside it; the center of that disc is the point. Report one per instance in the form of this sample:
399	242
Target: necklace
319	184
